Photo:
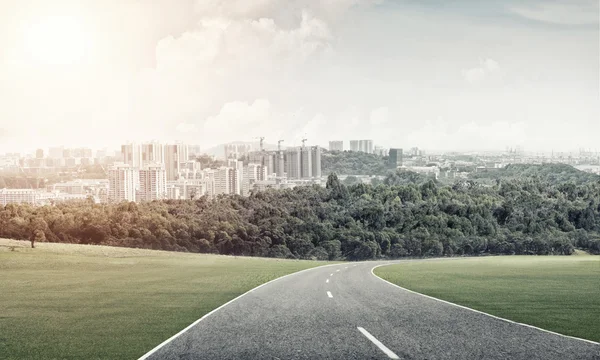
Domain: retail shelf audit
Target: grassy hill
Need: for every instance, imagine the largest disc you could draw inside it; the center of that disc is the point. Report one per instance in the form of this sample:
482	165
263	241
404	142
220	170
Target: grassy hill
560	294
98	302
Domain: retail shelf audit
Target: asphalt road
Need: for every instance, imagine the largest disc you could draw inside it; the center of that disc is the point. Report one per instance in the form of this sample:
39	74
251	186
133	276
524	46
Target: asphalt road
346	312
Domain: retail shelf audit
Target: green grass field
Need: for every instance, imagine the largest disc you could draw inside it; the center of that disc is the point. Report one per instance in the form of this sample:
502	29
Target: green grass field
92	302
560	294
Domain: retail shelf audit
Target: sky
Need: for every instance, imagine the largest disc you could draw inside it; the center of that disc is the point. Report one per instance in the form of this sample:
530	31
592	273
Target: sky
436	74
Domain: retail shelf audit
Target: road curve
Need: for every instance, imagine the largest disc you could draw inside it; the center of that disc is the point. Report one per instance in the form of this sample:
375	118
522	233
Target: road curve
345	312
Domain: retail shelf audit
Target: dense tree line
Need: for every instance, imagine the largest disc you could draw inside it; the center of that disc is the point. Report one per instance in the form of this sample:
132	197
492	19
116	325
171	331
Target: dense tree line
551	173
353	163
406	215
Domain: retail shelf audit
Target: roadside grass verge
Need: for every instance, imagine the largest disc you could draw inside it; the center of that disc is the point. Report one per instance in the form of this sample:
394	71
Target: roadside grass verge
62	301
557	293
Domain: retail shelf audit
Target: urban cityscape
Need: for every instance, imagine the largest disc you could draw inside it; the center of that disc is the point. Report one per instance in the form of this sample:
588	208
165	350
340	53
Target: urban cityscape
152	170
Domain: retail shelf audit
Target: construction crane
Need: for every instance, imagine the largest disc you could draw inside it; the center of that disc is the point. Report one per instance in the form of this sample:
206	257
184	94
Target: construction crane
279	144
262	140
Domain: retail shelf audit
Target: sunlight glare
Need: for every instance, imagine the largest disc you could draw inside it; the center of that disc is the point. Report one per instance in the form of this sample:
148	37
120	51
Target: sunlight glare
56	40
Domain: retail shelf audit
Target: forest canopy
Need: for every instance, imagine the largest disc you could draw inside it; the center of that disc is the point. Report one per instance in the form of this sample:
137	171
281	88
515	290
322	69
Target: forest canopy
405	216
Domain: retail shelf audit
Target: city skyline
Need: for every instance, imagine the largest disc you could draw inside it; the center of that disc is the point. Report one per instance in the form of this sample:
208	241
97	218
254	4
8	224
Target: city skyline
213	72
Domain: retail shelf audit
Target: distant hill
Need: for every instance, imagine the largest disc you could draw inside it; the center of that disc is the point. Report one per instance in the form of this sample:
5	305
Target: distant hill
552	173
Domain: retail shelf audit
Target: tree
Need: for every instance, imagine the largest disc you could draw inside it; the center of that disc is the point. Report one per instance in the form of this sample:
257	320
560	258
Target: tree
38	236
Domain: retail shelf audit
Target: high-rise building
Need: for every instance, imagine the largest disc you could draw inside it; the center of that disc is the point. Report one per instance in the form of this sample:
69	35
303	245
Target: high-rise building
172	161
251	174
123	182
236	176
39	154
268	159
305	163
152	153
336	146
395	158
293	163
381	151
209	178
365	146
362	146
153	183
316	161
222	180
131	154
279	164
184	153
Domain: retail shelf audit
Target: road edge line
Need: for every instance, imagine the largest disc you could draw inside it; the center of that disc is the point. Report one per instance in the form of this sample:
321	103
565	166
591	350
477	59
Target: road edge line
477	311
159	346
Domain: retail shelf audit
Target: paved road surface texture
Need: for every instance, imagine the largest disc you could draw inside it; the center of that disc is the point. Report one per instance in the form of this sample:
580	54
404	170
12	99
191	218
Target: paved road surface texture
345	312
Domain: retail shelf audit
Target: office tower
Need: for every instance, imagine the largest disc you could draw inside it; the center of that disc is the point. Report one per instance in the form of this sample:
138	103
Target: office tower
369	146
152	153
365	146
236	175
39	154
235	180
222	180
354	145
173	155
184	154
153	183
292	163
395	158
336	146
279	164
131	155
264	158
316	161
381	151
123	182
209	178
306	163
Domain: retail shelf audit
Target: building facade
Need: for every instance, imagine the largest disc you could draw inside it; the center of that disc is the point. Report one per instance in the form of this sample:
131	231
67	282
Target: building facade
153	183
18	196
123	183
395	158
336	146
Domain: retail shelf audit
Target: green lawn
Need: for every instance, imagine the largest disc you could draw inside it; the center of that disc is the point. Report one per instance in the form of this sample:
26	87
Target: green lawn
86	302
557	293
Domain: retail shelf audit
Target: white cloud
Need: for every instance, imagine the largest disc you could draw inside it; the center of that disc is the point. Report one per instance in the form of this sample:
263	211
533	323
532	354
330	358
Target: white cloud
223	46
488	68
239	120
